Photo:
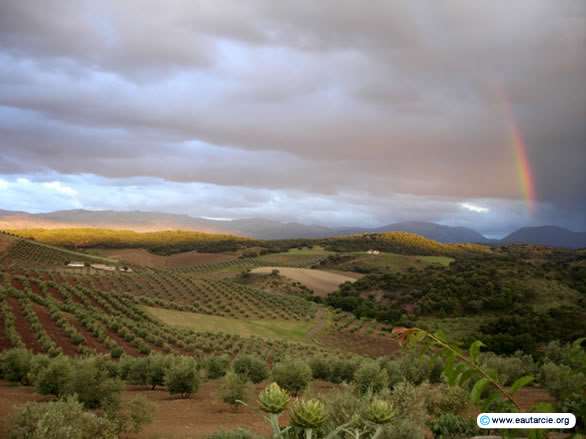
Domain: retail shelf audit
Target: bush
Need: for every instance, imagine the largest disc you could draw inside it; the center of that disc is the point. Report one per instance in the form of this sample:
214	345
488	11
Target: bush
562	381
182	377
414	367
54	378
234	389
445	399
342	371
133	416
370	378
155	372
450	426
137	370
508	369
217	366
38	364
251	367
292	375
93	385
15	365
572	355
320	368
58	420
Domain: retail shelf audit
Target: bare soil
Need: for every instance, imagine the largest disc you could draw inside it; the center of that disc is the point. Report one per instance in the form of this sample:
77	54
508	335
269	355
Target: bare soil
90	340
195	418
363	344
201	415
145	258
11	398
321	282
23	328
54	331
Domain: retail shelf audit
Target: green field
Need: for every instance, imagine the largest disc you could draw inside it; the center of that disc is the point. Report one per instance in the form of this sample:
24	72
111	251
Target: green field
316	250
283	329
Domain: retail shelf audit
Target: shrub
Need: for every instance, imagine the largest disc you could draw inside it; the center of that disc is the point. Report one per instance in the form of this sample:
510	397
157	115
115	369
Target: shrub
93	385
182	377
58	420
414	367
137	372
508	369
116	352
572	355
561	381
234	389
445	399
217	366
342	371
54	378
292	375
370	378
451	426
251	367
133	416
38	364
320	368
155	372
15	365
342	405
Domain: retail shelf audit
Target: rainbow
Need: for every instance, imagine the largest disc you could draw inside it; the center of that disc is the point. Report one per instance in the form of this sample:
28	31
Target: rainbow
523	165
524	171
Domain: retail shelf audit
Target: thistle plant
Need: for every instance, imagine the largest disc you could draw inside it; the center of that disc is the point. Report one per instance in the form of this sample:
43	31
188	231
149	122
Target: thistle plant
309	415
273	400
379	412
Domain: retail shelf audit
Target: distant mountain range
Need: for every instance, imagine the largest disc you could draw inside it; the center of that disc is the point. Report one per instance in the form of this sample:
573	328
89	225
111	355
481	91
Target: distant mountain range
552	236
270	229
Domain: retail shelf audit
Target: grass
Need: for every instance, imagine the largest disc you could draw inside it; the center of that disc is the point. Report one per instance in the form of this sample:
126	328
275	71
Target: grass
284	329
316	250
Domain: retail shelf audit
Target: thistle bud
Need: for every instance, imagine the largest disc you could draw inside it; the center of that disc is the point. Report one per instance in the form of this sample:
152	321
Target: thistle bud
379	412
273	399
308	414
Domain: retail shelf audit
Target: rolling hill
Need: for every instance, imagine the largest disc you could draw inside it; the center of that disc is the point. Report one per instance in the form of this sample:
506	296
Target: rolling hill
547	235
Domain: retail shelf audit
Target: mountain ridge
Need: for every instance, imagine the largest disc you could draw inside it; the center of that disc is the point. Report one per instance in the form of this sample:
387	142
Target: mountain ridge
260	228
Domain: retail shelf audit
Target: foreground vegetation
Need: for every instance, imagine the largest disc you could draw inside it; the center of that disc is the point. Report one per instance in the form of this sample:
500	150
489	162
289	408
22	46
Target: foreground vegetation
433	386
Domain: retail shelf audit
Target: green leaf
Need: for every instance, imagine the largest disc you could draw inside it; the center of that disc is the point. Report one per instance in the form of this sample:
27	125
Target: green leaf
578	343
474	350
521	382
476	392
465	376
417	336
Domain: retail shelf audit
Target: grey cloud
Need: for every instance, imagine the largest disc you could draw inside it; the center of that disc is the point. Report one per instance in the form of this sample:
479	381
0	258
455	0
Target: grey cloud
390	98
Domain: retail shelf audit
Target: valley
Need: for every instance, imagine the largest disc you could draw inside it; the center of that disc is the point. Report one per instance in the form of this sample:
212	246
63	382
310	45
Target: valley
340	300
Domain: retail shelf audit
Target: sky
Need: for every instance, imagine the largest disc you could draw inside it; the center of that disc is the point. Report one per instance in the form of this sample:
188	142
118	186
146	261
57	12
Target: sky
338	112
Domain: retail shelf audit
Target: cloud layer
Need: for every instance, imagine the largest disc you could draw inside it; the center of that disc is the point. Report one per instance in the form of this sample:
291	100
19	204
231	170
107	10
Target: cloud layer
328	111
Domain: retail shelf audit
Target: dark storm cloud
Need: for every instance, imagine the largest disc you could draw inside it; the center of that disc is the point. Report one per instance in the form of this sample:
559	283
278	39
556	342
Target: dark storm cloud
396	99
